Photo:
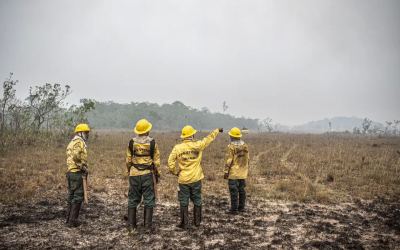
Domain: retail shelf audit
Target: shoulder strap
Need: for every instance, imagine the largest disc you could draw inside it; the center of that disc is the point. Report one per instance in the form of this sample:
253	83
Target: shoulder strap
152	147
131	146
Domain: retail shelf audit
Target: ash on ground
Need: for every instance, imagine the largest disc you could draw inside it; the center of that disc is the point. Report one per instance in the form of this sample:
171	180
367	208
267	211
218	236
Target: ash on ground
266	225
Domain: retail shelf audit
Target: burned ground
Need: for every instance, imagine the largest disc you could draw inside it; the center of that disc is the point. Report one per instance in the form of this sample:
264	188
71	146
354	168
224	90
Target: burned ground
305	192
266	225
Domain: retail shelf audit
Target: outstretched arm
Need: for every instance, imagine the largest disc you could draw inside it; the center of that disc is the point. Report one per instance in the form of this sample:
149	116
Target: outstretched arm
210	138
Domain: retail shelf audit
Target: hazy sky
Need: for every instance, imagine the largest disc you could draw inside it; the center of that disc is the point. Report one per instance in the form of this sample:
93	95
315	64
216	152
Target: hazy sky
293	61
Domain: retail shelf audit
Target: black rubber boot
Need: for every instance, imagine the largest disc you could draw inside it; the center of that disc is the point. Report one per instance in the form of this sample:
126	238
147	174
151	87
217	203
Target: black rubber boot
68	212
197	215
242	203
73	218
144	216
184	217
148	219
234	208
131	219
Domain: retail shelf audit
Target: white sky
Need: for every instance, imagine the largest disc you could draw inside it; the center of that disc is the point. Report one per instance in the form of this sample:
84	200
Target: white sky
293	61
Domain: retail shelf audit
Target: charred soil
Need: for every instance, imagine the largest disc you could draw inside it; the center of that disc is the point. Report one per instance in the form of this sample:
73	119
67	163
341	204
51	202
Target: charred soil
304	192
266	225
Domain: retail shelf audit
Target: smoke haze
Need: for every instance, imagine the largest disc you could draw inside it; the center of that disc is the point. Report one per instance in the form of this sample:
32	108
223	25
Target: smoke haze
293	61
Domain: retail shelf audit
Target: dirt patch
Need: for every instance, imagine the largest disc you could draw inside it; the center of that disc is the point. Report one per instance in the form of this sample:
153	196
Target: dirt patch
266	225
387	210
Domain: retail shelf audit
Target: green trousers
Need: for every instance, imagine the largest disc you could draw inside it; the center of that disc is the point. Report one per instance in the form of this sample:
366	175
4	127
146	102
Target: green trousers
139	186
236	187
75	187
192	191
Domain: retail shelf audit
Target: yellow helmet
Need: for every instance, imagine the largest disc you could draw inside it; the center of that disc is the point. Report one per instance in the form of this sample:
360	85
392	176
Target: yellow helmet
82	128
235	132
142	127
188	131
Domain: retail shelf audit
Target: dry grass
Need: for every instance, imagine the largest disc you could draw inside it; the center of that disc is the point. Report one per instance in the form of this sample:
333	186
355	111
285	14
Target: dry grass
321	168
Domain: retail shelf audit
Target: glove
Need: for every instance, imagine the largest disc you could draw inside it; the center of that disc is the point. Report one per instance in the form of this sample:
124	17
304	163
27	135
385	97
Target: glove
157	178
84	168
226	176
221	130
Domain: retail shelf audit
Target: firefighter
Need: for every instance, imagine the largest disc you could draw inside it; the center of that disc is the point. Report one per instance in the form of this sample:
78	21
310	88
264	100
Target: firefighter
77	167
236	170
143	164
188	154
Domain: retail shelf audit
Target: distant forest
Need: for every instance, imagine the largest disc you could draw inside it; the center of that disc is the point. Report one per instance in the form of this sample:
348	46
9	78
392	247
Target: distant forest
337	124
111	115
30	121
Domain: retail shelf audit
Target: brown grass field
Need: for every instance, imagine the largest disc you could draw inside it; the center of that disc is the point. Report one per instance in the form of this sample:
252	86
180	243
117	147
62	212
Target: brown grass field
329	191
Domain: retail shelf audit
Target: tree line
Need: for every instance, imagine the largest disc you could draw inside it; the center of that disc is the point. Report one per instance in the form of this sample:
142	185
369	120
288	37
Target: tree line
42	112
112	115
367	128
349	125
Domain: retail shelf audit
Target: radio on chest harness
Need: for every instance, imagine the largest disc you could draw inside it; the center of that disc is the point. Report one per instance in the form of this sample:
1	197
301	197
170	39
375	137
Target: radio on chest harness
142	167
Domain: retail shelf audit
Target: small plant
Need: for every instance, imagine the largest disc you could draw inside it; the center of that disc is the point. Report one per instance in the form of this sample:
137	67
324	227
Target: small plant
267	123
224	106
395	124
365	125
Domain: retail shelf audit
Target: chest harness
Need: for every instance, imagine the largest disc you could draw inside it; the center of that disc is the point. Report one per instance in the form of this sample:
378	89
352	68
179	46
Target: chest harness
142	167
